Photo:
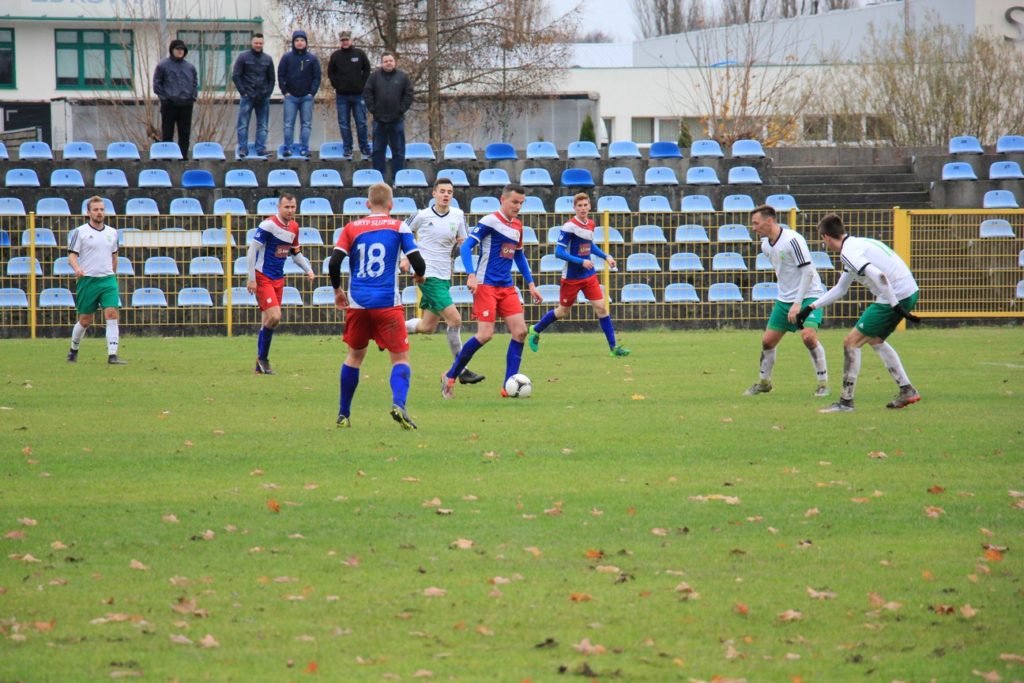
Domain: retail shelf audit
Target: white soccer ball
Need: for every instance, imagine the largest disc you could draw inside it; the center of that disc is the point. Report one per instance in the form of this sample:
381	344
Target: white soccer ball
518	386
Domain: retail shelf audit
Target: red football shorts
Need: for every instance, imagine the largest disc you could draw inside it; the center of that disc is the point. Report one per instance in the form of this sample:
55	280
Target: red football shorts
590	287
490	302
386	326
268	292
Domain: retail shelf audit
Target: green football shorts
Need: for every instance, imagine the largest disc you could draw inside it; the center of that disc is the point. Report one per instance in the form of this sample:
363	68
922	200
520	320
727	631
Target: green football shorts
96	292
434	294
879	320
779	319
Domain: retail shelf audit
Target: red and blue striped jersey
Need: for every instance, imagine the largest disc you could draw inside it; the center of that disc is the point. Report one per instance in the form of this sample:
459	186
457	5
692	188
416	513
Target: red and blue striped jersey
278	241
578	239
375	245
499	238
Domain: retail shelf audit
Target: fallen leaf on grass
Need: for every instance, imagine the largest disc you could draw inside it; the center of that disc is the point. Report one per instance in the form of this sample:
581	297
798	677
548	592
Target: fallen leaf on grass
15	535
169	519
432	503
993	555
791	615
135	564
180	639
877	455
594	554
936	490
580	597
434	592
607	569
444	512
812	512
968	612
1016	659
423	673
942	609
461	544
659	531
728	500
587	648
741	609
820	595
27	521
499	581
639	397
686	592
208	641
933	512
484	631
125	673
534	550
992	676
273	505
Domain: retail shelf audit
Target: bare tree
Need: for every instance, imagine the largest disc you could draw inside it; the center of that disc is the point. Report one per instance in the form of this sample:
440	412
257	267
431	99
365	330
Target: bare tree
668	17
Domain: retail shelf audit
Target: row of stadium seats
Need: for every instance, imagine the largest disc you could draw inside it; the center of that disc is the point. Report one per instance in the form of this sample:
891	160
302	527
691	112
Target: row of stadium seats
969	144
999	170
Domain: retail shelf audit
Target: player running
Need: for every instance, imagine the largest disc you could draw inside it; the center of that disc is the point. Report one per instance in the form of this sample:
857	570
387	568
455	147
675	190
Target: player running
438	230
880	269
799	286
373	302
575	246
500	237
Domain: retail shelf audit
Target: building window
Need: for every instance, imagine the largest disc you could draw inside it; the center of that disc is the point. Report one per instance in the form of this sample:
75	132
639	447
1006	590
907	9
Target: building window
668	130
643	131
609	126
213	53
877	128
94	59
7	58
816	128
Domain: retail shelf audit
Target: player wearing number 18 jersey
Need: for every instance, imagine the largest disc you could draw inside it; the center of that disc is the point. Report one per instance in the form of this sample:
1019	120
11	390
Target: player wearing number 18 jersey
373	302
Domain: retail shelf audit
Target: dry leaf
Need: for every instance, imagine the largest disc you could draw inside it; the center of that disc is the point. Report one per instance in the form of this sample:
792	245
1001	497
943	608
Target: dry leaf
432	503
659	531
933	512
686	592
943	609
992	676
444	512
484	631
533	550
1016	659
170	519
273	505
410	479
639	397
993	555
820	595
311	486
811	512
208	641
135	564
180	639
791	615
936	490
27	521
433	592
580	597
14	535
587	648
607	569
462	544
968	612
423	673
741	609
877	455
594	554
499	581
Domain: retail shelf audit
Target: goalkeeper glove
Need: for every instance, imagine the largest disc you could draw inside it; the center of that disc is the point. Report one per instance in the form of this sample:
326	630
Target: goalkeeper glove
804	313
905	314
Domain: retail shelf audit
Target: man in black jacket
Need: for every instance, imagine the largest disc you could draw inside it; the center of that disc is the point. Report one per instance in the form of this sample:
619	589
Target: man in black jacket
388	96
176	83
348	70
253	75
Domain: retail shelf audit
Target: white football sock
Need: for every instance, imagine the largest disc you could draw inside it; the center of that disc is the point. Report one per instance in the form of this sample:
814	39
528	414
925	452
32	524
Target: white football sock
113	337
77	335
411	324
767	364
851	368
454	335
818	360
892	362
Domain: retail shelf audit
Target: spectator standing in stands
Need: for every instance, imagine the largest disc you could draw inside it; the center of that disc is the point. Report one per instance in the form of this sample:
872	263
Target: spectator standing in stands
176	83
388	96
348	70
298	76
253	75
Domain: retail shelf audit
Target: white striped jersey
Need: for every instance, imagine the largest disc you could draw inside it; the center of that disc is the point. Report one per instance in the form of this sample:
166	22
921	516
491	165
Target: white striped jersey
789	256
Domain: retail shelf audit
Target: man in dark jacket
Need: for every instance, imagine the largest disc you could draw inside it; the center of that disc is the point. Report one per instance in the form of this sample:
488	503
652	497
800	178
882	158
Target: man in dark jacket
388	96
253	75
176	83
348	71
298	75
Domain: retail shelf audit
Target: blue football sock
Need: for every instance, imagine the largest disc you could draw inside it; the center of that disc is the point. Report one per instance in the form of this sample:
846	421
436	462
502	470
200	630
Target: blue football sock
263	342
465	355
608	329
548	318
401	375
513	358
349	382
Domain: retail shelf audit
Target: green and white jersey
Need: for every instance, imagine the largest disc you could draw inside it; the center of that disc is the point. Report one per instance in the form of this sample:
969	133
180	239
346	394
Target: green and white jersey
857	252
436	236
789	256
95	249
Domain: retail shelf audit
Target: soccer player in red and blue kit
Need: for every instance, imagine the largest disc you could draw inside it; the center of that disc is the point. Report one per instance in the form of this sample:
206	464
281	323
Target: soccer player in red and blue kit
500	237
576	245
373	302
275	239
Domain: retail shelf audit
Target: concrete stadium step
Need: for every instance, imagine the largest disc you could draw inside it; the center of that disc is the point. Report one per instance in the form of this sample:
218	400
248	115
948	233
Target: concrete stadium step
854	189
874	200
842	170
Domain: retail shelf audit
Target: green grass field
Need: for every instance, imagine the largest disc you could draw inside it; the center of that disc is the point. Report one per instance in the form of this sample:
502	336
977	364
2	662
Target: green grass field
637	519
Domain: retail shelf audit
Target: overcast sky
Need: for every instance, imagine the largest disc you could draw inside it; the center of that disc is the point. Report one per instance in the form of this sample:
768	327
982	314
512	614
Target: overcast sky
614	17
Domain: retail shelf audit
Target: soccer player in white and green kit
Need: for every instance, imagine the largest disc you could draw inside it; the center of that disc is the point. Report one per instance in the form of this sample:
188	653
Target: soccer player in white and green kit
439	229
92	254
799	285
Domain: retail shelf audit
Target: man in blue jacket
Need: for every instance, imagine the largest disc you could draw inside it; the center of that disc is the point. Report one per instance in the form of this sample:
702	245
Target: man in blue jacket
253	75
298	76
176	83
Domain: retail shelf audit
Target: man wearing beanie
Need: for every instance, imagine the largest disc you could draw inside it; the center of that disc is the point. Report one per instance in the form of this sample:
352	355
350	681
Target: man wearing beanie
348	70
298	75
176	83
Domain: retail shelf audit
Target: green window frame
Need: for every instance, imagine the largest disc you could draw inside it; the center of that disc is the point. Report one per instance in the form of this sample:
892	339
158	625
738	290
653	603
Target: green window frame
89	59
213	53
8	72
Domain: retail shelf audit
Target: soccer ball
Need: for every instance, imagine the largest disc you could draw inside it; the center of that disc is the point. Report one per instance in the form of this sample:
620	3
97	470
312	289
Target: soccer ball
518	386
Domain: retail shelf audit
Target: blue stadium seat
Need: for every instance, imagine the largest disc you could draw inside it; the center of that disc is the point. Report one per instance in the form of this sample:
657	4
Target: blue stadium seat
197	178
655	203
4	155
965	144
958	170
240	296
637	293
455	203
34	150
164	150
67	177
21	266
240	177
290	296
685	260
999	199
44	237
691	233
283	177
535	177
702	175
642	262
500	151
310	237
124	264
582	149
1020	259
618	175
194	296
148	177
549	263
186	206
623	149
529	235
5	239
149	297
160	265
696	203
268	206
115	177
354	206
737	203
318	206
1010	144
79	150
648	234
410	295
325	177
123	150
763	262
419	150
577	177
764	291
733	232
1020	289
613	203
747	149
53	206
744	175
456	175
323	296
11	206
13	297
334	151
554	232
241	266
781	202
1005	170
541	150
564	205
533	204
680	293
292	268
665	150
728	260
411	177
458	267
21	177
206	265
216	237
459	151
706	149
460	295
56	297
493	177
208	150
724	291
404	206
660	175
141	206
365	177
996	227
549	293
232	205
821	261
109	205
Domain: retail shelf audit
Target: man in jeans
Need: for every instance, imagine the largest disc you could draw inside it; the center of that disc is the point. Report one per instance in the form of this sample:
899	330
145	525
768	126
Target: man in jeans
176	83
388	96
298	76
348	70
253	75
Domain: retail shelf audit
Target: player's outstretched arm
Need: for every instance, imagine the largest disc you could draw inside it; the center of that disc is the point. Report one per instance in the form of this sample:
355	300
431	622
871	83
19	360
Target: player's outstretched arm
334	268
302	262
466	254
